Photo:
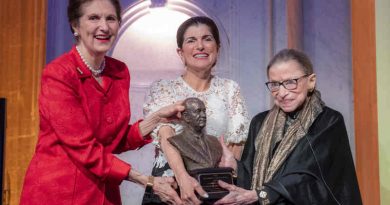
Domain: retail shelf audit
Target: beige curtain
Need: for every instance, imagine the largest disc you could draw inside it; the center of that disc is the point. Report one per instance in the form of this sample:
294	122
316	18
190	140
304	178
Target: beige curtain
22	57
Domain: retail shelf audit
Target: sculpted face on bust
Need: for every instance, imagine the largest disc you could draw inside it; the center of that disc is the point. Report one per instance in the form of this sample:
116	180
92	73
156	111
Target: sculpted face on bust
195	114
198	149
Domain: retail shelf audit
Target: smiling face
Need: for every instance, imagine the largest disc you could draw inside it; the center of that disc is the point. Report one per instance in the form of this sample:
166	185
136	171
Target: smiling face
199	51
97	27
290	100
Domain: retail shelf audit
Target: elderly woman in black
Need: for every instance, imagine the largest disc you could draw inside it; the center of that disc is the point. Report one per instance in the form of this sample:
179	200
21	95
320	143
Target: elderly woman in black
298	152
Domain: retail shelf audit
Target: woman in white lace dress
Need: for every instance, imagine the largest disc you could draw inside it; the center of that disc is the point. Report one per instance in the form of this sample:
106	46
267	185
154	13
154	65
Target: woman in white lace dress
198	45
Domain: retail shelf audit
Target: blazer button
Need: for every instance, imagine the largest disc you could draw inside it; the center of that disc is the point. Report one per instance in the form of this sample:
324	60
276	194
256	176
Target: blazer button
109	120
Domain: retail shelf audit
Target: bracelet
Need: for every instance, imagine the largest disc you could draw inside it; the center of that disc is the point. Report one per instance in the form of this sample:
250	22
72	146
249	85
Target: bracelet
149	184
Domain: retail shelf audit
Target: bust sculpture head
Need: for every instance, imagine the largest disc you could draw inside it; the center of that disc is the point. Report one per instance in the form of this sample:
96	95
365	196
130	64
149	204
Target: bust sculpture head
194	115
197	149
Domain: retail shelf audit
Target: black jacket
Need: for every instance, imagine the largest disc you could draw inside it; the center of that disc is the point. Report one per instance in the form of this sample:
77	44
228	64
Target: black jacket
319	170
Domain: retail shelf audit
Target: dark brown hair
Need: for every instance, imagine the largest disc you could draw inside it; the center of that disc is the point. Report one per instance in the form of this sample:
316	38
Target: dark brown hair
74	10
196	21
292	54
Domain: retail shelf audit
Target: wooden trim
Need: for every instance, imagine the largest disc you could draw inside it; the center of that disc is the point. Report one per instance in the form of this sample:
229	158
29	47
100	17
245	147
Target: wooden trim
294	24
22	54
365	98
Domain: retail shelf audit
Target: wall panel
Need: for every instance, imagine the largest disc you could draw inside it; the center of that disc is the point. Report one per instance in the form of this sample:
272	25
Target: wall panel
383	82
22	54
365	97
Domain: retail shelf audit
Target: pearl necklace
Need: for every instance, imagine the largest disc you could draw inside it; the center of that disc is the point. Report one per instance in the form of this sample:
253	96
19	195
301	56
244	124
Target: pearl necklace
95	72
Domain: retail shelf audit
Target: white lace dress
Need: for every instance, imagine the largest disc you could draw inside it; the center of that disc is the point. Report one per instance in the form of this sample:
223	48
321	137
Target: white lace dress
225	109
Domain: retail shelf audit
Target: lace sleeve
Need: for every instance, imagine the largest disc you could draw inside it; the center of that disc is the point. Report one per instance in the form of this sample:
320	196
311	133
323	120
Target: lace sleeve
238	123
160	94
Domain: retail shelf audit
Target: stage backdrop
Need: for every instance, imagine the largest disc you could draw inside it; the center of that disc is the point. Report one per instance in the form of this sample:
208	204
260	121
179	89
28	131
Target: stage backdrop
252	31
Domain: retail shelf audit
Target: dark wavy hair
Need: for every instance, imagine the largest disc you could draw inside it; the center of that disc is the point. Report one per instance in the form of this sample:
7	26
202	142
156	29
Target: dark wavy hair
196	21
74	10
292	54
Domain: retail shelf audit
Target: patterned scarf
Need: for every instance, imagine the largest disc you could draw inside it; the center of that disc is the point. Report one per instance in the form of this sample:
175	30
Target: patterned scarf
272	131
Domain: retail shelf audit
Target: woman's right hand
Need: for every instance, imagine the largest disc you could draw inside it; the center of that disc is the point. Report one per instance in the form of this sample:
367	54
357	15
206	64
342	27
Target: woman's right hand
188	186
165	187
237	195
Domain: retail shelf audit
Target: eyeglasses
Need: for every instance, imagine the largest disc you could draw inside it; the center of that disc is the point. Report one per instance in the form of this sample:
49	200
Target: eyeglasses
290	84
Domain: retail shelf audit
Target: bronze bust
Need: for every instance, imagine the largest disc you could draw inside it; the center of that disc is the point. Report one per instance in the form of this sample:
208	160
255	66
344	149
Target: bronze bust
197	149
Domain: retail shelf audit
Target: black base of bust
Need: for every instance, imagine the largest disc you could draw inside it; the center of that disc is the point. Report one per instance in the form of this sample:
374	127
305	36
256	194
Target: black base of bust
208	179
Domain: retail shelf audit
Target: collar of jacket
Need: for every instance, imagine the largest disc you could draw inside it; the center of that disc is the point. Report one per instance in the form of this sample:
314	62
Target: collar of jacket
113	69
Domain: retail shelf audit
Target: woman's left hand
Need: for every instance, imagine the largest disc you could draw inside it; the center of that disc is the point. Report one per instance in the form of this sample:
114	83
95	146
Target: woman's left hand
171	112
188	186
227	159
165	114
236	195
